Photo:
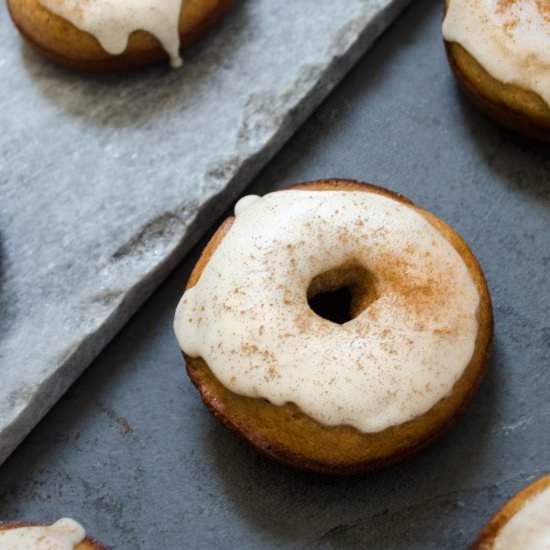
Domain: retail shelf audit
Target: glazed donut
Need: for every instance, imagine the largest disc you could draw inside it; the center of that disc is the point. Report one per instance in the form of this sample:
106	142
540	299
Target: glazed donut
65	534
523	522
499	51
114	35
316	389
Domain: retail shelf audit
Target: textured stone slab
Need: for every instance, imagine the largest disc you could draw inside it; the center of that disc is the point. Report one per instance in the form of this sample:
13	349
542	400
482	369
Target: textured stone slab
105	183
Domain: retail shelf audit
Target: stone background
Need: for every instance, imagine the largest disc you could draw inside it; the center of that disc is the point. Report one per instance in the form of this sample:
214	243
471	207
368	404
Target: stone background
106	183
131	452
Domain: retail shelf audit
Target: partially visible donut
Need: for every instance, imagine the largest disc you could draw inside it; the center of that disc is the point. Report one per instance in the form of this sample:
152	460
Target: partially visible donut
499	52
523	522
41	536
58	30
226	325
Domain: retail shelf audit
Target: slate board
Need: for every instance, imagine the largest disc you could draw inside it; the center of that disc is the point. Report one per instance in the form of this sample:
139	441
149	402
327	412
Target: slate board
105	183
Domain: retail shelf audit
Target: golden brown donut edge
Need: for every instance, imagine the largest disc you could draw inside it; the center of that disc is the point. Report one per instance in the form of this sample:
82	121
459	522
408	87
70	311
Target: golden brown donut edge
87	544
286	434
490	532
521	110
62	42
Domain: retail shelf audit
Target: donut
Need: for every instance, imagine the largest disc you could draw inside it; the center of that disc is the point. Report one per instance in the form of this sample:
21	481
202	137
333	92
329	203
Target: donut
499	51
114	35
65	534
335	326
523	522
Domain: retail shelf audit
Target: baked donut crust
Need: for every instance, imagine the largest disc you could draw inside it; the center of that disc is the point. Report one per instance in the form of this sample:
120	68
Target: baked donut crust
517	108
490	532
87	544
288	435
62	42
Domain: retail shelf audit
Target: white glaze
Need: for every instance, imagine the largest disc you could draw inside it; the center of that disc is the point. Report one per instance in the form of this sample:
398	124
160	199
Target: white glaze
244	202
64	534
529	528
112	21
509	38
249	319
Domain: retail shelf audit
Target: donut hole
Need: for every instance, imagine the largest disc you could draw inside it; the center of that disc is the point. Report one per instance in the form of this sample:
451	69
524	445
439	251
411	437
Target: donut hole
334	306
341	294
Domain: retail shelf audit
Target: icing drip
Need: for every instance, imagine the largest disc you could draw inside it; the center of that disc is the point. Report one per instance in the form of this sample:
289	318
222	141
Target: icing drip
249	319
529	527
64	534
509	38
112	21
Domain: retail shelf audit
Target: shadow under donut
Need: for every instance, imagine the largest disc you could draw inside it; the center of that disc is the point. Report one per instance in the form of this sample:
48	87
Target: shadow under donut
427	494
124	100
521	162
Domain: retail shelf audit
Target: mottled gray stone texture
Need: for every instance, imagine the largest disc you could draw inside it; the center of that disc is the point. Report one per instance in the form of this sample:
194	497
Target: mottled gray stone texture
131	451
107	182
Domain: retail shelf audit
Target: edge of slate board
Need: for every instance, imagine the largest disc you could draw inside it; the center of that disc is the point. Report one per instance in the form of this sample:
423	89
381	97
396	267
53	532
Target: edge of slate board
359	38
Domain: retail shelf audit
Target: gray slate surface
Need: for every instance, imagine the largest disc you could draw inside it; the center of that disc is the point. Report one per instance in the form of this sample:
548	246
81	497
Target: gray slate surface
105	183
131	451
